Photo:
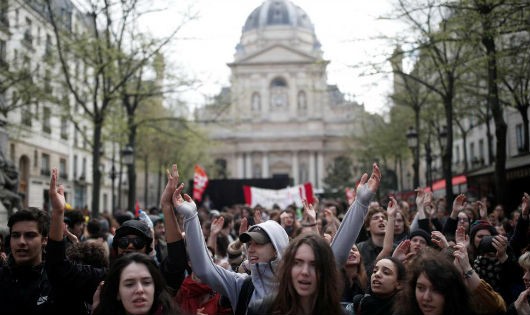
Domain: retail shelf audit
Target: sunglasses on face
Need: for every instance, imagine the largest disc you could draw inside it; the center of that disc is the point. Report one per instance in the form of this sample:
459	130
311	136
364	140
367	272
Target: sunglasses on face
137	242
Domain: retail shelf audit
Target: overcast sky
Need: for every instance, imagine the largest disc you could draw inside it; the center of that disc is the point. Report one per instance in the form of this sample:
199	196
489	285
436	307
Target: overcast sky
344	28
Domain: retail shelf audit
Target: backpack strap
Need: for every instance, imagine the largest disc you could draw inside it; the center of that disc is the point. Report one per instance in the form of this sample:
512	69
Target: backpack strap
244	296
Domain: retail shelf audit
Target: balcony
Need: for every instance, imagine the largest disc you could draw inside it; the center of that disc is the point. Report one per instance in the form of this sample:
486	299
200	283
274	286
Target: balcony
45	172
63	175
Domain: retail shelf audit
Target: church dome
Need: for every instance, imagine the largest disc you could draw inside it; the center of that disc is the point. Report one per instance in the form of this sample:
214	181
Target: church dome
278	22
275	13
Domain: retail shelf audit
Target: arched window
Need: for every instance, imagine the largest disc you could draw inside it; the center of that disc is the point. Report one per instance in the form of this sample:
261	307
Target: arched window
278	93
302	100
256	102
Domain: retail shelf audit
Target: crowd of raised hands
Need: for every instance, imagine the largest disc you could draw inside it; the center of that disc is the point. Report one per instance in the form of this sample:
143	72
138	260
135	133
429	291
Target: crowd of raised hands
432	257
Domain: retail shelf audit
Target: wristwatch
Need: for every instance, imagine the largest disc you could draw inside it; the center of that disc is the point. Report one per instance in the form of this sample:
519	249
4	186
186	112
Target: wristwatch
468	273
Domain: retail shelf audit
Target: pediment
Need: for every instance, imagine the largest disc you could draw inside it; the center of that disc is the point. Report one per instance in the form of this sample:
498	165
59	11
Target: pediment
278	54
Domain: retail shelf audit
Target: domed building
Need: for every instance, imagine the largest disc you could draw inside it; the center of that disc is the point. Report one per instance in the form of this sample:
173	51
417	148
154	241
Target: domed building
279	117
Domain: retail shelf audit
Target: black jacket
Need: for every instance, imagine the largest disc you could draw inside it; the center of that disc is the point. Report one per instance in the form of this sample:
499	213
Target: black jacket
28	290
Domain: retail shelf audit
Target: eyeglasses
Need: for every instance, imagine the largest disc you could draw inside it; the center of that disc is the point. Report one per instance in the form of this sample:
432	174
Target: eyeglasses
137	242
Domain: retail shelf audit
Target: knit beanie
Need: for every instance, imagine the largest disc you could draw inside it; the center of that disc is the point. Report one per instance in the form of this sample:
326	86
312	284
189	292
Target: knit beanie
480	225
235	252
422	233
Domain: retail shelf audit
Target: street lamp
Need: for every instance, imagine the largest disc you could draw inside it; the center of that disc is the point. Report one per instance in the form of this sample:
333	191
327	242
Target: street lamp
128	159
428	160
412	142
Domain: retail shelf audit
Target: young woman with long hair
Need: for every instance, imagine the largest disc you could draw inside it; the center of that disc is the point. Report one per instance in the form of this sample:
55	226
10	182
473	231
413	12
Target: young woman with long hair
134	285
309	281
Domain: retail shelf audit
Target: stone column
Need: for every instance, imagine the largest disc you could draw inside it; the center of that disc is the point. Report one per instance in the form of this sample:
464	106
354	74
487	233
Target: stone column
312	168
295	168
265	164
240	165
320	169
248	165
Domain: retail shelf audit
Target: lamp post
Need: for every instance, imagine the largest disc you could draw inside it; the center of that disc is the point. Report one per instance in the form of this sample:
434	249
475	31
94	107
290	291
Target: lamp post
428	160
128	159
412	142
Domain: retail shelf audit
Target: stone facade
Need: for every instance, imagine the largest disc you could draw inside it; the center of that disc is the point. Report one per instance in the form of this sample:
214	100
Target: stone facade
279	117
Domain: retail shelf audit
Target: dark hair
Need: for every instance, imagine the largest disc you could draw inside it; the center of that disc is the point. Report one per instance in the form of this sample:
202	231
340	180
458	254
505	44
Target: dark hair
31	214
109	304
75	217
445	278
370	214
88	253
287	302
93	228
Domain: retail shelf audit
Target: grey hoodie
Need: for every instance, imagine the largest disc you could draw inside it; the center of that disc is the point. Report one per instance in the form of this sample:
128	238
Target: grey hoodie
227	282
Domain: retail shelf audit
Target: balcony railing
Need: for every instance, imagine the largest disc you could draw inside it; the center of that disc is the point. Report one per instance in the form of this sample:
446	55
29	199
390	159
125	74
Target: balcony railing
45	172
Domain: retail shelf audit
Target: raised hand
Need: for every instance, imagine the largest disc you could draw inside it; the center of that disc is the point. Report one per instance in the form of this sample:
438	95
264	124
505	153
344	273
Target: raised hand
392	208
500	243
461	260
459	203
521	304
56	193
368	186
403	252
171	186
461	236
420	198
439	239
184	205
217	225
243	227
309	212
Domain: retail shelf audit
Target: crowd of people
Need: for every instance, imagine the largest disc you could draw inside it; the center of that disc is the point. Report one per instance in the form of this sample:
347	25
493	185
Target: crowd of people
436	257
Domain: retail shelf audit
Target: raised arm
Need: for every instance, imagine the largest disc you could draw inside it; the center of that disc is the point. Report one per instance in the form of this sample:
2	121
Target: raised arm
58	206
353	220
388	242
225	282
173	232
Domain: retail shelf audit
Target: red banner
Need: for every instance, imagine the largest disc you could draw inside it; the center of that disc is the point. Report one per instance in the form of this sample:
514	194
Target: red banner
200	181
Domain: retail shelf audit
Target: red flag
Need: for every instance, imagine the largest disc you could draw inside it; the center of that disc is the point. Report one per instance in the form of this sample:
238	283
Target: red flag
136	209
200	181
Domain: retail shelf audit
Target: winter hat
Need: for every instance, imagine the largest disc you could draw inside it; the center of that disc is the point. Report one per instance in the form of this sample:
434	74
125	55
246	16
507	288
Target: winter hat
235	253
422	233
480	225
134	227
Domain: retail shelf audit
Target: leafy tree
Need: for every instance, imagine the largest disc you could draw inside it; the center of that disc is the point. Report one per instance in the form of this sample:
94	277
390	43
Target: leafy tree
113	51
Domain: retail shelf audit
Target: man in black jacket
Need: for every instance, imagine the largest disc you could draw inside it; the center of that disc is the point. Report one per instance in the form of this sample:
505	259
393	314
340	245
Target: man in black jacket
25	287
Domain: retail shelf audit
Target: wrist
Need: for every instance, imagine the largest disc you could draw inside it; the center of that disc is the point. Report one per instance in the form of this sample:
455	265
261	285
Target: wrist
468	273
309	224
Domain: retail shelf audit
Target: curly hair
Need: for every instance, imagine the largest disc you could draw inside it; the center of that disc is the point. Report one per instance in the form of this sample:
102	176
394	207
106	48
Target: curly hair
110	305
445	278
287	302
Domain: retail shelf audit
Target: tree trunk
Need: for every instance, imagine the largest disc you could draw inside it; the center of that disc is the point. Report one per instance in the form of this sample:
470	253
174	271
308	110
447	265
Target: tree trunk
447	155
146	182
498	116
131	169
96	172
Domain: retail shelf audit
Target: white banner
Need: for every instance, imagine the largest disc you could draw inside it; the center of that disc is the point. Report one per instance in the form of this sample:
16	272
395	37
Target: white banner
282	197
